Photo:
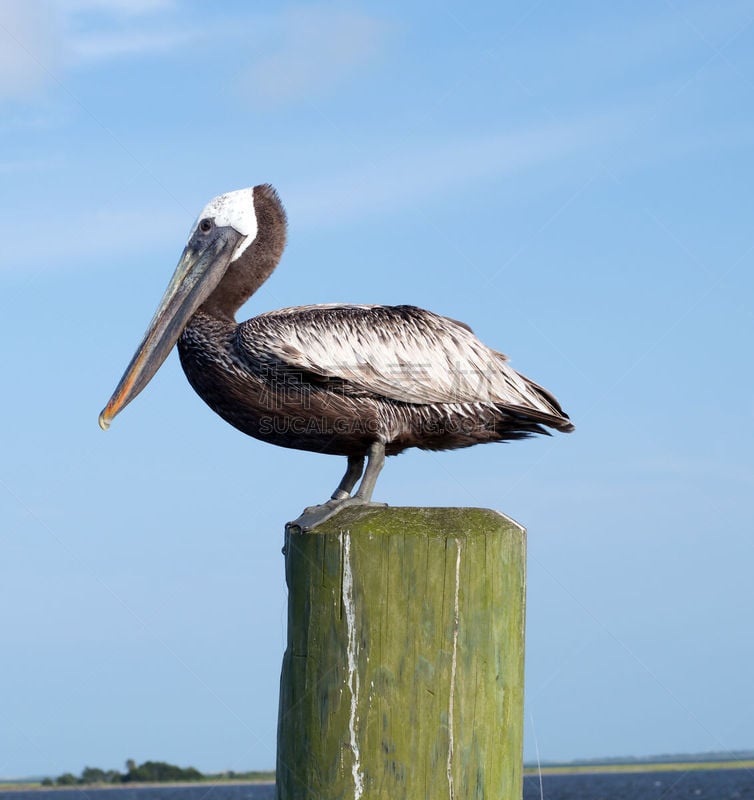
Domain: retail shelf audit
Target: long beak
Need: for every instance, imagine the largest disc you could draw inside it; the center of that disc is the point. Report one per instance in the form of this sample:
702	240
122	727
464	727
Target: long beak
199	271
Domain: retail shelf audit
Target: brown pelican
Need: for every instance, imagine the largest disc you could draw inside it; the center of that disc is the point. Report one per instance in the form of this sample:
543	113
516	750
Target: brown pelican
361	381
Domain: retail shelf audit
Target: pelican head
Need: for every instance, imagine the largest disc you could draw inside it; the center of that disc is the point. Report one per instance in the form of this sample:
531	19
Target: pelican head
220	236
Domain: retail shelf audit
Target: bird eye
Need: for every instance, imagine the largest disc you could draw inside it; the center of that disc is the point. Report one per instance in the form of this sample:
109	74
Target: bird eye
205	226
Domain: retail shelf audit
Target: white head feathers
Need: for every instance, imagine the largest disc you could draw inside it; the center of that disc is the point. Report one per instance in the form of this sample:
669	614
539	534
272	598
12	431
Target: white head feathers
235	209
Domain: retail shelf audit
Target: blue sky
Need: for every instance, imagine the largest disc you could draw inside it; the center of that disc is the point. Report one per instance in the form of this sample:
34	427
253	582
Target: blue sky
573	180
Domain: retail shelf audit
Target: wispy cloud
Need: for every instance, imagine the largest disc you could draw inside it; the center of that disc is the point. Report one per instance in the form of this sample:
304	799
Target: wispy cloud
40	41
29	165
32	47
89	237
297	50
397	181
103	46
316	47
126	8
105	29
387	185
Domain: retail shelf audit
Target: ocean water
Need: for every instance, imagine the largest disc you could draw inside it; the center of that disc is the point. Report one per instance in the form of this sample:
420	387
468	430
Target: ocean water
723	784
714	784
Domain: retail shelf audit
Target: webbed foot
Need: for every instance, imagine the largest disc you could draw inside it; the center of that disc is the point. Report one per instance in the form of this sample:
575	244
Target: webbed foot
315	515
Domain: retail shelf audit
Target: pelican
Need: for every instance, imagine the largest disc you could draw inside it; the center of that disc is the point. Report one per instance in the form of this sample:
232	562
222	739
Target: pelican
361	381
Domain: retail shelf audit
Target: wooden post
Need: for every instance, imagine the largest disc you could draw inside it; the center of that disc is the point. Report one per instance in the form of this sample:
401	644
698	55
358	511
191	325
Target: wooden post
403	675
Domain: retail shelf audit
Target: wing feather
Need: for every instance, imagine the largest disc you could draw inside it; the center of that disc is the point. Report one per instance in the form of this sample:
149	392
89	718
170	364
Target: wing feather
399	352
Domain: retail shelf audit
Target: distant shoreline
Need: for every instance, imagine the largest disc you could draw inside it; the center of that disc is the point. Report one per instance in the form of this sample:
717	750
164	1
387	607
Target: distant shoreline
33	786
636	766
529	770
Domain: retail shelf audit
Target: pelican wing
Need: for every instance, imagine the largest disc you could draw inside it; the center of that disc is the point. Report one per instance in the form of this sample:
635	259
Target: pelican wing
399	352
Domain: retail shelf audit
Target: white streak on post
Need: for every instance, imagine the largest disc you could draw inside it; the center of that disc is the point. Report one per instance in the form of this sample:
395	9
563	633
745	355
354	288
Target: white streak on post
453	665
352	653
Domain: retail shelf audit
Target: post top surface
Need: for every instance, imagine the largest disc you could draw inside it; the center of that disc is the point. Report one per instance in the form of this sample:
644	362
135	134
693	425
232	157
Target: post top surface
419	520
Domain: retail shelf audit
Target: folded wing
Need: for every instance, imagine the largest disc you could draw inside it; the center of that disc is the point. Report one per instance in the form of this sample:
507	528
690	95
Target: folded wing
398	352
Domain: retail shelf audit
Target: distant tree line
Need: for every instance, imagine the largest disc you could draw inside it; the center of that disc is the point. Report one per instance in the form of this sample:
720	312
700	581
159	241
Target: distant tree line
151	772
148	772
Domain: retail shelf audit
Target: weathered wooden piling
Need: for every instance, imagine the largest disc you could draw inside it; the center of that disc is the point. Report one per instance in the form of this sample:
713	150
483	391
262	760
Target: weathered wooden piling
403	674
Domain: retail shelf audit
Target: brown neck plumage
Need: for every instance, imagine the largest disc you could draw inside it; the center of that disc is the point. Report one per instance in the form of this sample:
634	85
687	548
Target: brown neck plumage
247	273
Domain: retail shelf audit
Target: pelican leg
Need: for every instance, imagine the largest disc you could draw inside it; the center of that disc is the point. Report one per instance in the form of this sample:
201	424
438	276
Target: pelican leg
375	463
314	515
353	473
